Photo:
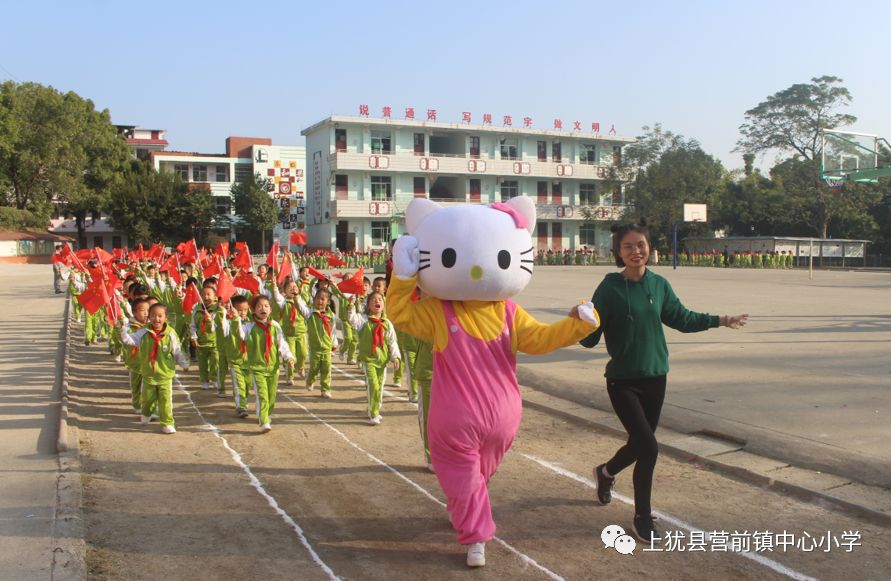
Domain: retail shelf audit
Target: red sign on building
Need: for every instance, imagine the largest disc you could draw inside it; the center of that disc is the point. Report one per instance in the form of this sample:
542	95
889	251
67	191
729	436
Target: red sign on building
409	112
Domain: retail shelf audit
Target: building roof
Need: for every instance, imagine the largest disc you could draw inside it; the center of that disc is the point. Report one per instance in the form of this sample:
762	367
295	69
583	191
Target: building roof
134	141
784	238
467	127
6	235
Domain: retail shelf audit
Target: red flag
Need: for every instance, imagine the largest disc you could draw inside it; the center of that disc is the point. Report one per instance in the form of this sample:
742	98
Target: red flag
243	259
213	269
94	297
172	268
189	252
71	258
272	259
246	281
156	252
334	261
57	258
192	298
113	312
222	250
204	258
225	288
285	270
355	285
297	238
316	273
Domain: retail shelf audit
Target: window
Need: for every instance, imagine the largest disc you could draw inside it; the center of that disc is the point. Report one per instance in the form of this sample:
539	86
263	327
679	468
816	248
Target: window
475	187
222	205
380	142
542	151
182	171
222	171
557	193
116	241
618	197
474	146
510	189
341	186
508	148
588	154
381	188
587	195
556	153
98	241
588	235
420	187
340	140
199	173
380	233
542	192
419	144
617	154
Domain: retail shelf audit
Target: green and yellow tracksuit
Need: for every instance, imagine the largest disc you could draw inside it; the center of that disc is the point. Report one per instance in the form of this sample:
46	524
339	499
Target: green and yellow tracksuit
294	326
264	348
350	338
377	347
131	361
158	355
422	374
205	320
236	357
322	341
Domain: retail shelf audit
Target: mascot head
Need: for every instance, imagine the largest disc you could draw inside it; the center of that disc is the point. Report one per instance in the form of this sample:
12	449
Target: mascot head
473	252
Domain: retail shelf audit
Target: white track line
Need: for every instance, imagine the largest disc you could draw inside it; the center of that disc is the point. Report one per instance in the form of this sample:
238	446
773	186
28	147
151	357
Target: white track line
523	557
761	560
255	482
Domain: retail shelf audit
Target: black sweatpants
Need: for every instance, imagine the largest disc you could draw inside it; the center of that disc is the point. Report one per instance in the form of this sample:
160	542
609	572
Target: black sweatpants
638	404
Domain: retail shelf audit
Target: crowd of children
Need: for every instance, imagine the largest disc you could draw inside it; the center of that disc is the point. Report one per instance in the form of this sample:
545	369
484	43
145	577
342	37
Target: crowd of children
247	329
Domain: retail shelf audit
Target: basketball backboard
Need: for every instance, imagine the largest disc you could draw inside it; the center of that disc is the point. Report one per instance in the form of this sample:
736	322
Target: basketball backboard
856	157
695	212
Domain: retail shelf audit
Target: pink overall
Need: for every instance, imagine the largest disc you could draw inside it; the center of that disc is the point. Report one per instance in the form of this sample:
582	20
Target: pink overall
475	411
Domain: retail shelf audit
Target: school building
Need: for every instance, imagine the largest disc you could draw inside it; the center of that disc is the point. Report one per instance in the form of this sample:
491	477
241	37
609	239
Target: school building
363	172
283	167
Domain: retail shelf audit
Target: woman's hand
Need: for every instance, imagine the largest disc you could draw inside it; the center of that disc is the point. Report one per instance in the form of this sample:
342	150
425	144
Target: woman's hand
734	321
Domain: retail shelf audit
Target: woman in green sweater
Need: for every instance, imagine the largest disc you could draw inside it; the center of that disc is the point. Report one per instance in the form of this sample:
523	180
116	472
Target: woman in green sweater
634	304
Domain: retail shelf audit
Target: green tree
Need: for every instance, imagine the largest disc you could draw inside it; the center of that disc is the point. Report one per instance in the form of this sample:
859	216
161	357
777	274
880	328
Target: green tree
150	206
56	148
254	207
682	173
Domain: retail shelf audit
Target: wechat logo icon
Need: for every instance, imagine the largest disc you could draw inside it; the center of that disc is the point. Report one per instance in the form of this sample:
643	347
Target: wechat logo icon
614	537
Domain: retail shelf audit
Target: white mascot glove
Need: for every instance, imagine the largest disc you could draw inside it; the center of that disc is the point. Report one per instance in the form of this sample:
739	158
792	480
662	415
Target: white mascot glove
588	314
406	257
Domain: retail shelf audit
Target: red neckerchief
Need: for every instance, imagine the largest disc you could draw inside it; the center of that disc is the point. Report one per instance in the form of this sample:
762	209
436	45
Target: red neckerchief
157	338
377	333
324	322
134	351
293	315
265	327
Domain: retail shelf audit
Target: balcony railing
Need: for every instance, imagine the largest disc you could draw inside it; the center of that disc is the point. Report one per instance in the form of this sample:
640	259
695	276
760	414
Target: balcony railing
386	209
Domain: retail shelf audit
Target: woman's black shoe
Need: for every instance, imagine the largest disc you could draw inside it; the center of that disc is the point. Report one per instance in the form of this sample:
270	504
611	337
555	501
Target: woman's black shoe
604	485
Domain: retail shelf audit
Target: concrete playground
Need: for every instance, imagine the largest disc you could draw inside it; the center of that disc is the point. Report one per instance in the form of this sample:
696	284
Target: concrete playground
806	382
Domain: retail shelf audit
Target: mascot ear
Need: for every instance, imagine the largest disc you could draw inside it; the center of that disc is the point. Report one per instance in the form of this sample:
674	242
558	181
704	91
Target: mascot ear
523	205
417	210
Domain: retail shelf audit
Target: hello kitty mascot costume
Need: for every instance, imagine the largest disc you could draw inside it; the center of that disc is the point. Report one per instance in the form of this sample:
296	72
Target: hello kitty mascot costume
470	259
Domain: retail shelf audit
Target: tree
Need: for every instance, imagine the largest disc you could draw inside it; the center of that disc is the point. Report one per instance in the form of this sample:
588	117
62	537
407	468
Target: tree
150	206
56	148
254	206
681	173
792	120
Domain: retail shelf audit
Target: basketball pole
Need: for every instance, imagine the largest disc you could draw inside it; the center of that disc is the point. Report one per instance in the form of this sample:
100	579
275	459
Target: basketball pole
810	267
674	244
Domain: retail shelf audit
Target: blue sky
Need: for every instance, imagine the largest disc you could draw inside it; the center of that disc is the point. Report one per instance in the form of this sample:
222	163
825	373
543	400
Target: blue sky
207	70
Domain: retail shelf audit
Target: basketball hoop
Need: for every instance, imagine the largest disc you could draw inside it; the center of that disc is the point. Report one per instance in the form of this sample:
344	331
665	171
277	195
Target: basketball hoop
835	184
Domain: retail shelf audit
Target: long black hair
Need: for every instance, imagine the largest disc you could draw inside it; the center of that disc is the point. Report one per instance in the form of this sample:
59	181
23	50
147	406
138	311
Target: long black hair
620	231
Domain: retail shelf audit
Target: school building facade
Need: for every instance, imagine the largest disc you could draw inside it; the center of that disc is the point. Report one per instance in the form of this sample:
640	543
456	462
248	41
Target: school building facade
282	165
362	172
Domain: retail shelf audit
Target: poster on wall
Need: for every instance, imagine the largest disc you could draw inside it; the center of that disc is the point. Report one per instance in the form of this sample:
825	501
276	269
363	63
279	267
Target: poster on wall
317	186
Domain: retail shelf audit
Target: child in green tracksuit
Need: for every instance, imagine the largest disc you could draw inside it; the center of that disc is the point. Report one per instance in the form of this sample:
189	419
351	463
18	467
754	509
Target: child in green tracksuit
422	374
236	353
294	326
377	348
321	339
159	352
350	338
206	316
77	284
264	347
131	354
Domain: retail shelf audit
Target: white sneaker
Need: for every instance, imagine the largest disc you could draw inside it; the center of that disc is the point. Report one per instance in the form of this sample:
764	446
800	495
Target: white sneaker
326	394
396	384
413	398
221	394
118	358
266	428
476	555
205	385
375	421
170	430
145	419
137	411
293	381
309	387
430	467
153	418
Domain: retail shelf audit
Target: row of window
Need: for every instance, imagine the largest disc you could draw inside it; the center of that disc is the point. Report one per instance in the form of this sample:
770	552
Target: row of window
382	189
199	172
380	233
382	143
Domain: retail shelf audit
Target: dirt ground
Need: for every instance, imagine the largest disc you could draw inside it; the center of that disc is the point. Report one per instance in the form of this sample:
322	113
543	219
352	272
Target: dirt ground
324	495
